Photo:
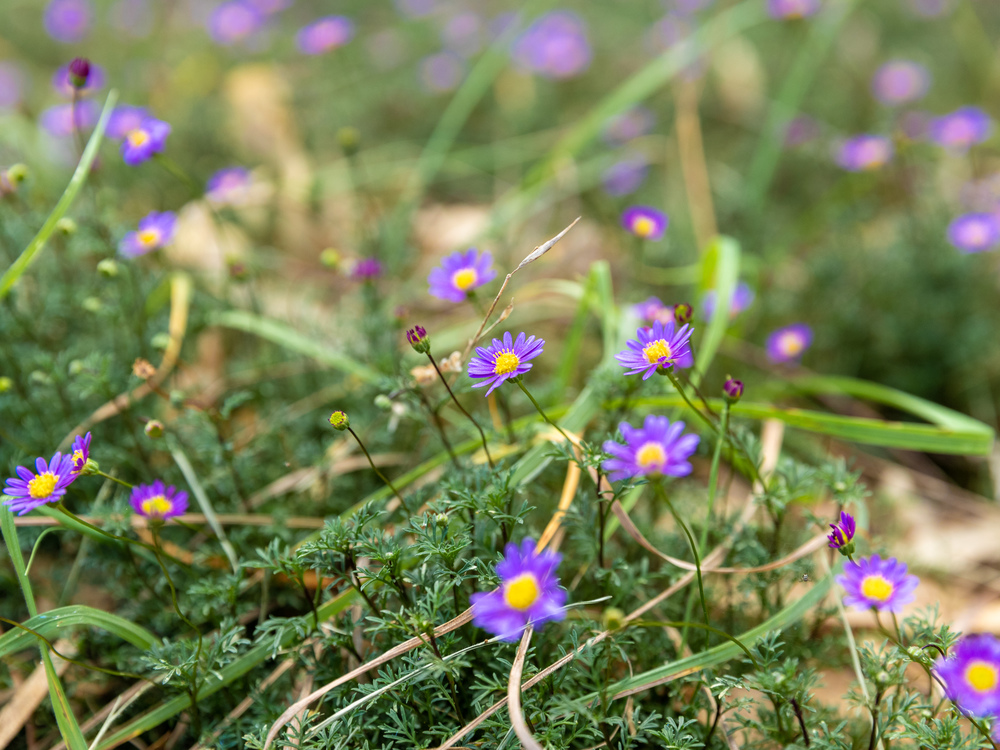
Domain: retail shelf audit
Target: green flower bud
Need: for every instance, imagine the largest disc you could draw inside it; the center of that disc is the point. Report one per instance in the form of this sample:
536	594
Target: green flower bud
108	268
91	304
153	429
349	139
340	421
66	226
330	258
613	618
17	173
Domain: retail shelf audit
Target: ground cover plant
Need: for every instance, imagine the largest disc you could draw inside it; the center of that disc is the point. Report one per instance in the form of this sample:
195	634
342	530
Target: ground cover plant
432	374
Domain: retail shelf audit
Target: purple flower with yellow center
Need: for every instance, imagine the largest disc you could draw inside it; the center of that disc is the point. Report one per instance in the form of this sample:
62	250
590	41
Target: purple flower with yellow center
742	298
229	186
92	78
366	269
529	593
65	119
653	310
140	143
233	22
625	176
554	46
974	233
155	231
68	20
864	153
46	484
460	273
841	534
81	452
158	502
900	81
658	448
656	347
325	35
971	675
789	343
124	119
961	129
645	222
503	360
792	8
874	582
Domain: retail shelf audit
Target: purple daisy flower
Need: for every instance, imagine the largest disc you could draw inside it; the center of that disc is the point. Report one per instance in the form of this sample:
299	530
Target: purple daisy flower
874	582
842	533
47	484
655	449
142	142
554	46
789	343
792	8
234	22
11	84
68	20
325	34
742	298
623	127
158	502
155	231
62	81
971	674
81	452
900	81
626	176
960	129
656	347
529	593
653	310
645	222
366	269
460	273
228	186
974	233
503	360
864	153
124	119
63	119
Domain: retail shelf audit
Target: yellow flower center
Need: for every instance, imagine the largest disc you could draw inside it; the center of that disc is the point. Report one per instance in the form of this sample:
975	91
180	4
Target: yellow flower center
157	505
876	587
77	457
137	137
521	592
650	455
505	362
149	237
465	279
982	676
643	226
790	344
657	350
42	485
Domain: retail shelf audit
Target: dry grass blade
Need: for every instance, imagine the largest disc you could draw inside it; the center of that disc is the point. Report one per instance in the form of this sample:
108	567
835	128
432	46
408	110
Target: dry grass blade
517	721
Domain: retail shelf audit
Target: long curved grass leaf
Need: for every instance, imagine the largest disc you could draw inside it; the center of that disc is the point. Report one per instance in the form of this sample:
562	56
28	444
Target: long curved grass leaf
52	623
720	271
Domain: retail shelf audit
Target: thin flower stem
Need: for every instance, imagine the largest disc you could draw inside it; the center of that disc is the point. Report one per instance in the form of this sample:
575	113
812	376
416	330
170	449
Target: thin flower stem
462	408
438	425
694	546
113	479
381	476
680	389
541	411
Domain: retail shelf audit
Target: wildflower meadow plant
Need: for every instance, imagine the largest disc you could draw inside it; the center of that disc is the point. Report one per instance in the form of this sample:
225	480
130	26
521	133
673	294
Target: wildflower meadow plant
974	233
789	343
158	502
145	140
865	153
645	222
971	674
655	348
460	274
155	230
874	583
961	129
504	360
658	448
325	35
46	484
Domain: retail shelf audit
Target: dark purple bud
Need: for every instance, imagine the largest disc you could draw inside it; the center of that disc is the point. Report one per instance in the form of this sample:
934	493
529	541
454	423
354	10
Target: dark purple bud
417	336
683	313
79	72
733	390
842	534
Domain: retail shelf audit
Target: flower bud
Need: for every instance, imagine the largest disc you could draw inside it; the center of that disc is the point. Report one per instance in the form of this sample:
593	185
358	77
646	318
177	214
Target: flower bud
330	258
66	226
340	421
79	72
90	468
350	140
613	618
683	313
108	268
17	173
841	534
419	340
153	429
91	304
733	389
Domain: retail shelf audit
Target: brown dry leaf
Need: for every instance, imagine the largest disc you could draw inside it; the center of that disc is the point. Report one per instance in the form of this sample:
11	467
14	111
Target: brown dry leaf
203	243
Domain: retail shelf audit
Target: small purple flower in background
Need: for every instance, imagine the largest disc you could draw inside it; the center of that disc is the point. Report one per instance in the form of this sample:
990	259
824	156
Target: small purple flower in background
158	502
93	79
653	310
124	119
743	297
133	17
442	72
645	222
68	20
656	347
229	186
874	582
900	81
554	46
11	85
974	233
234	22
864	153
792	8
626	176
503	360
81	452
460	273
841	534
623	127
800	131
366	269
655	449
789	343
529	593
155	231
961	129
64	119
464	33
140	143
971	675
325	35
46	484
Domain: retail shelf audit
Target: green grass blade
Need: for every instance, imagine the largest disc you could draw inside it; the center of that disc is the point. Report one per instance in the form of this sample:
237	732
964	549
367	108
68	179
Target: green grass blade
720	271
50	624
20	265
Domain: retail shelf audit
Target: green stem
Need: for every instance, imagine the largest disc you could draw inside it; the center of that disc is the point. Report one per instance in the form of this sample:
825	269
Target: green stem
114	479
694	546
520	384
680	389
462	408
381	476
